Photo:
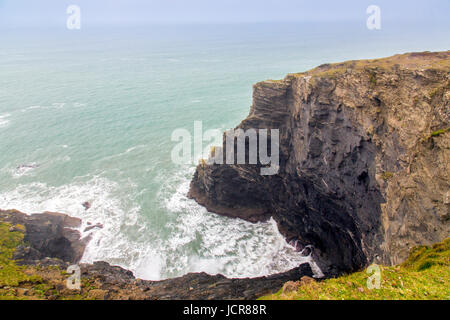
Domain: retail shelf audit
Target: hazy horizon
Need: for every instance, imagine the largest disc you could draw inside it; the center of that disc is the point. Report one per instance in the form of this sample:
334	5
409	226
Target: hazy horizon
21	13
88	116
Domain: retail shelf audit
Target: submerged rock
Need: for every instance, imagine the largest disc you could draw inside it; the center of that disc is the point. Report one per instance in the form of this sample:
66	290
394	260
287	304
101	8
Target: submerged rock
27	166
86	205
90	227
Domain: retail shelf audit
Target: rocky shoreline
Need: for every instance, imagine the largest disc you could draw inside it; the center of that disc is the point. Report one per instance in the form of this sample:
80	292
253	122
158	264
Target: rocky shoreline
364	160
52	243
364	177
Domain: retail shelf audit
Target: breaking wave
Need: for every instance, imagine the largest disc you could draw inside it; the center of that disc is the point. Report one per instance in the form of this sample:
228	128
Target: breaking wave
190	239
4	121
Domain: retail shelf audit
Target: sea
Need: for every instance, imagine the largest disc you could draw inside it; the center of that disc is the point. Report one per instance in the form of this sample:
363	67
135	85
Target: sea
88	115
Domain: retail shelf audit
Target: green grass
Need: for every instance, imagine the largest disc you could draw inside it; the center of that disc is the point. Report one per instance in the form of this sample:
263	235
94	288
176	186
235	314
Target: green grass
424	276
439	132
11	275
39	281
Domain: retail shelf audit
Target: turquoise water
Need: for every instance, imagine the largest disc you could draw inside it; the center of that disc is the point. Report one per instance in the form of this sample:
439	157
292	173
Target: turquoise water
88	116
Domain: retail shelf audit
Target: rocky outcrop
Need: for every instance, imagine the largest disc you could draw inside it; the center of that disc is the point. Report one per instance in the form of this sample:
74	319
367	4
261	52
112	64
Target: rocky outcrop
47	235
52	240
364	160
118	284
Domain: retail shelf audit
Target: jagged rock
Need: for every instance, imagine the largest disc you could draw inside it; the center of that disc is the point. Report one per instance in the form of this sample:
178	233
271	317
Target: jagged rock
364	176
86	205
89	228
48	235
120	283
364	160
206	287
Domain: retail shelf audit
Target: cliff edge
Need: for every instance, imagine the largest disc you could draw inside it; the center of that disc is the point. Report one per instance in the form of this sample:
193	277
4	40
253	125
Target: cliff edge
364	160
37	249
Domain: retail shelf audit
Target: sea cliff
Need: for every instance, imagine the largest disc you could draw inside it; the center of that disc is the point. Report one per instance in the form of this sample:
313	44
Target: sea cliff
363	178
364	160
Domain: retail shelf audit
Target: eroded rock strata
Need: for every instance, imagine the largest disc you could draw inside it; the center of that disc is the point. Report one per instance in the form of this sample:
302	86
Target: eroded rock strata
364	160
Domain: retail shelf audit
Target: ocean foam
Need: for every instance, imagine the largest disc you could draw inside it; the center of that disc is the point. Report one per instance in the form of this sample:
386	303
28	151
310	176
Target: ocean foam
194	240
31	167
108	244
23	170
55	105
4	121
232	247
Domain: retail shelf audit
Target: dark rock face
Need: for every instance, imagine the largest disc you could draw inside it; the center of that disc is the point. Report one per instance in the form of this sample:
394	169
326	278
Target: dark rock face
48	235
193	286
349	134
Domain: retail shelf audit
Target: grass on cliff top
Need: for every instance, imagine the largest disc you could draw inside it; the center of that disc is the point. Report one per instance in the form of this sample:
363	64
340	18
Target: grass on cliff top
424	276
26	283
412	61
11	275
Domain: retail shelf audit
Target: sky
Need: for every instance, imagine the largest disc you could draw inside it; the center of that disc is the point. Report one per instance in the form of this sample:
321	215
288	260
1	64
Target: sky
53	12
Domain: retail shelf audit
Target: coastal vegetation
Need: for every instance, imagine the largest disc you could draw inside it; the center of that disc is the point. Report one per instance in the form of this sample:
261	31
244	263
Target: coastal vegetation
31	282
424	276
